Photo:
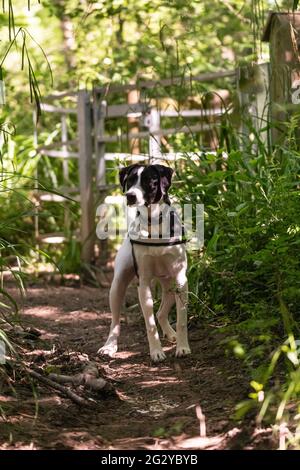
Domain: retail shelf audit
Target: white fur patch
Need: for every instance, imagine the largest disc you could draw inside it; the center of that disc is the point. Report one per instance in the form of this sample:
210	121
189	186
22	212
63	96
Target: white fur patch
136	190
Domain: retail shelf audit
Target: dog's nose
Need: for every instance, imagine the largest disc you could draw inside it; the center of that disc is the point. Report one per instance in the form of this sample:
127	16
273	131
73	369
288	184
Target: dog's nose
131	199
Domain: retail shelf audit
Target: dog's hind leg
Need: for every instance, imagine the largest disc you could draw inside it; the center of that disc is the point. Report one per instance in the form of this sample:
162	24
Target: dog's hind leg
181	296
167	301
123	275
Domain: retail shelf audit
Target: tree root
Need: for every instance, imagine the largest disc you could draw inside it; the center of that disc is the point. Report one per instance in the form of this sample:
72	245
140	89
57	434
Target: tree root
65	391
89	379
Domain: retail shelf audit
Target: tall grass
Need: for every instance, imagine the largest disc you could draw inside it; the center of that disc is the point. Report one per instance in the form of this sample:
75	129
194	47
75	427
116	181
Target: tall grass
247	277
16	175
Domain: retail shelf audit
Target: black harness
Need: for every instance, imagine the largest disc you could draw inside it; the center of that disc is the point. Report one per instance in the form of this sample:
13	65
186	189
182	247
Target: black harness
171	242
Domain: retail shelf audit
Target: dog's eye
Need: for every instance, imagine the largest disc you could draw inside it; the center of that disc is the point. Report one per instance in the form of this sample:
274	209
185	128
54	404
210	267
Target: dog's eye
131	181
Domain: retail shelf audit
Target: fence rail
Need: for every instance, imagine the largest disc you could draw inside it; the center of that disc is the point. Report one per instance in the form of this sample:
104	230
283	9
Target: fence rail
57	109
150	84
161	132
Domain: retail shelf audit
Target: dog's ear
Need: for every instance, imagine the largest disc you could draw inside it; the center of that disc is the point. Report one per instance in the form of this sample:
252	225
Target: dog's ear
165	174
124	173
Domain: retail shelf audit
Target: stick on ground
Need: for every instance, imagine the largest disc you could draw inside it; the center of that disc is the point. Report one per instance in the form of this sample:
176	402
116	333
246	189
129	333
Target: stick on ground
65	391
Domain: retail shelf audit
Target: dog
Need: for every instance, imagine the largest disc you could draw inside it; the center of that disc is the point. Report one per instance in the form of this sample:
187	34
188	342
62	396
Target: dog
162	258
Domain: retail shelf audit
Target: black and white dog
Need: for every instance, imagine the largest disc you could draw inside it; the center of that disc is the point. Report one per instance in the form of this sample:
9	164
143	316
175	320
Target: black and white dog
162	257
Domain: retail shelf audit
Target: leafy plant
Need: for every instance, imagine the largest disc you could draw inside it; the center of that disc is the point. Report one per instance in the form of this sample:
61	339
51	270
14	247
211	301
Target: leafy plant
247	275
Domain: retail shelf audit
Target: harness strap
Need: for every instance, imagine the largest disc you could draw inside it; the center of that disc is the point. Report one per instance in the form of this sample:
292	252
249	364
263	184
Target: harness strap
137	242
135	265
170	243
147	243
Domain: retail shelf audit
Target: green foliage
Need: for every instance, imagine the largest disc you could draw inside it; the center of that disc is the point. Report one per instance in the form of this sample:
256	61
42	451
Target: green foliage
251	225
295	4
124	39
247	276
17	180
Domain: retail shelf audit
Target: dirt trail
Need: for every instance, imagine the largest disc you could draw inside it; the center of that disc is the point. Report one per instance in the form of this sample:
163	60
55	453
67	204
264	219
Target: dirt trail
154	406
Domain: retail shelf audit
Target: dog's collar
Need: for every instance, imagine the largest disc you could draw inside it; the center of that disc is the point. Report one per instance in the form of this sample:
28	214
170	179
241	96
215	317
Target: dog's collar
175	232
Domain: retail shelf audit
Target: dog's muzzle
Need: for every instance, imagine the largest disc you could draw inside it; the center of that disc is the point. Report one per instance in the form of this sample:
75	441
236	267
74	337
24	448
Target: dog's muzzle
131	199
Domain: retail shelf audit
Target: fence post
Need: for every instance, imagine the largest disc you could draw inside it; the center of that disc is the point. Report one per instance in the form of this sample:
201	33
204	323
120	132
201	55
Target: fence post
65	165
133	97
99	113
254	100
154	139
84	117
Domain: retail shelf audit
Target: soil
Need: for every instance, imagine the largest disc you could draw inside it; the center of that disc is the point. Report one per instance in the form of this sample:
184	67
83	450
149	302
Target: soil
149	406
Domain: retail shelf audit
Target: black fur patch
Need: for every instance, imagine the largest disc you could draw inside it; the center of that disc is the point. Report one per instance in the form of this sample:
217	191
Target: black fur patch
150	183
128	176
165	174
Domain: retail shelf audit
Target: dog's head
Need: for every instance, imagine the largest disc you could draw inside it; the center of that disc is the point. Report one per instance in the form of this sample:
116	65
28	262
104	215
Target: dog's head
145	185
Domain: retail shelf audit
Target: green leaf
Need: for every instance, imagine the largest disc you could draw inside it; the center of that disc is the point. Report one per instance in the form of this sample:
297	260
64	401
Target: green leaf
243	408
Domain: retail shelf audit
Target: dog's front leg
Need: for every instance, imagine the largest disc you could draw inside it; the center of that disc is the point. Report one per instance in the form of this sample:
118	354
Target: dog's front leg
146	302
124	273
116	295
181	297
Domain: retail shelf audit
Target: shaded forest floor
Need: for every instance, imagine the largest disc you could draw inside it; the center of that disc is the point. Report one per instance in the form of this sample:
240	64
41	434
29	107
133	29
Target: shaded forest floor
154	406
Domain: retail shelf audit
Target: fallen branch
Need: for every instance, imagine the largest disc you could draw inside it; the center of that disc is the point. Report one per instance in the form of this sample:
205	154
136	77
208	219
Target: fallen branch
88	378
50	383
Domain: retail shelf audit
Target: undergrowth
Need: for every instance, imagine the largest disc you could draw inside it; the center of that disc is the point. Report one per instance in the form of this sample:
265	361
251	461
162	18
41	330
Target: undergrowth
247	276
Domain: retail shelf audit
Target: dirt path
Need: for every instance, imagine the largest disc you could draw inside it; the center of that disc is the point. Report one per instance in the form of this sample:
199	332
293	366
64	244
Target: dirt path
154	406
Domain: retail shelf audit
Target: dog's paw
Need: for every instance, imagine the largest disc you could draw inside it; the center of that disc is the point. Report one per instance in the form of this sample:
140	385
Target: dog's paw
157	355
108	350
170	335
182	351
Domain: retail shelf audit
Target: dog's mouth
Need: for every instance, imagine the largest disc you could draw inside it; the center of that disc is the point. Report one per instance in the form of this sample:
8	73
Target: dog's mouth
134	200
131	199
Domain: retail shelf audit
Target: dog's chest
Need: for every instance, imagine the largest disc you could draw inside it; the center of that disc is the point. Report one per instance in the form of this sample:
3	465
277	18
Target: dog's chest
161	262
